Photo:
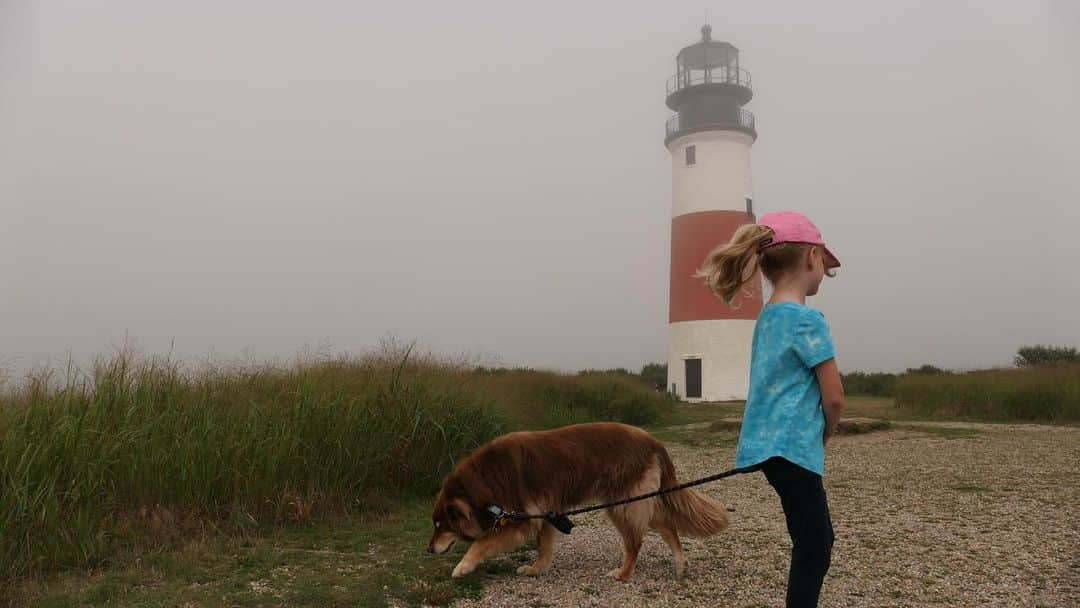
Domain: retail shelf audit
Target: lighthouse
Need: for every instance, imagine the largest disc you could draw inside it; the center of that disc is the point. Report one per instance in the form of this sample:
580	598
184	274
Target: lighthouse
709	137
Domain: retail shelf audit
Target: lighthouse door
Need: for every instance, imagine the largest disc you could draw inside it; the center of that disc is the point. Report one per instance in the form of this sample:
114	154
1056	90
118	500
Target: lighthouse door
693	378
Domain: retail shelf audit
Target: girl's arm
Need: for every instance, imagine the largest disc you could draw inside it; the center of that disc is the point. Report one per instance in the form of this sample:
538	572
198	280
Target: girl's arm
832	395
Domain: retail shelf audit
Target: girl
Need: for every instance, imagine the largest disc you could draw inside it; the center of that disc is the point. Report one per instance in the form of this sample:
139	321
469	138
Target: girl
795	396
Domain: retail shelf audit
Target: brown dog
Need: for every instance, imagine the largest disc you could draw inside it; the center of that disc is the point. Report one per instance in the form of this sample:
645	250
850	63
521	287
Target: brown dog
541	471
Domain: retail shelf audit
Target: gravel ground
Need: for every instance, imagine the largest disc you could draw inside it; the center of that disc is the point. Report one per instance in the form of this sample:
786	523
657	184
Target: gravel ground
977	515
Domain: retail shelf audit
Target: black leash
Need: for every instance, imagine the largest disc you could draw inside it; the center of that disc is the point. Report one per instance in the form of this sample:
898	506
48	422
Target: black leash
562	522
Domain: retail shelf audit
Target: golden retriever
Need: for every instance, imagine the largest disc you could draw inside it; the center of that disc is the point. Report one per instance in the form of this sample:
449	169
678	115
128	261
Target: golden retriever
557	470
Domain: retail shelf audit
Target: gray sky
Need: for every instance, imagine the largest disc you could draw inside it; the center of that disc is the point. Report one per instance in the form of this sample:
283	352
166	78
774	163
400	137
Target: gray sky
490	178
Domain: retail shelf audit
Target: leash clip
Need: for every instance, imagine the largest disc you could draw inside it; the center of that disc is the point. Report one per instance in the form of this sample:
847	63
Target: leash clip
499	515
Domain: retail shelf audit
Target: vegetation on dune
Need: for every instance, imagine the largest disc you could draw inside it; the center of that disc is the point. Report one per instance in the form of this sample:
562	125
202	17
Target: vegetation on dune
1044	386
883	384
547	400
1038	393
82	462
876	384
139	451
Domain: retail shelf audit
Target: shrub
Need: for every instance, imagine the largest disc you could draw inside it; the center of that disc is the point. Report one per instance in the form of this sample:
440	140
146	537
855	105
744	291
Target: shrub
927	368
1029	356
873	383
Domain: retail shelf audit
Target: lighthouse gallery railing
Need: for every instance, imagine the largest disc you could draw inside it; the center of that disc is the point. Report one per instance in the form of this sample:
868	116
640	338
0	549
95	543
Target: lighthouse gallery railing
746	121
716	75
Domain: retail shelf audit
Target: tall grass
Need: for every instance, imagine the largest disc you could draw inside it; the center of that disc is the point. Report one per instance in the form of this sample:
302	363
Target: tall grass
140	448
1038	393
535	399
80	461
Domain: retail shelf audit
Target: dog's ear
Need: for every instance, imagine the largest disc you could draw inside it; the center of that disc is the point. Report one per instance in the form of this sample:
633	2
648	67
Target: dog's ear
459	509
452	511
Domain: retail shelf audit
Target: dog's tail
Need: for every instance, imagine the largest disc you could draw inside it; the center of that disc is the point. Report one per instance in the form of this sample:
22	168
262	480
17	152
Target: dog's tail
691	512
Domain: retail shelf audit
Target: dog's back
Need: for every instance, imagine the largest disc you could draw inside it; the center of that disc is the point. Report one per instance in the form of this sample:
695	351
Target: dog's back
556	470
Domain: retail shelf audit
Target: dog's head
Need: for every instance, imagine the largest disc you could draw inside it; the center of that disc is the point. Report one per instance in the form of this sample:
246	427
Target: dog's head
456	518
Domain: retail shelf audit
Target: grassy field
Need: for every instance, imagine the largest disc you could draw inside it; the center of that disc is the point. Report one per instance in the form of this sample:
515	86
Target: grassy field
1046	393
340	562
142	454
147	485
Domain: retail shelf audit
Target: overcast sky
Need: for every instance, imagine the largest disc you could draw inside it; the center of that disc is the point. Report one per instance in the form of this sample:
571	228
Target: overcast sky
490	178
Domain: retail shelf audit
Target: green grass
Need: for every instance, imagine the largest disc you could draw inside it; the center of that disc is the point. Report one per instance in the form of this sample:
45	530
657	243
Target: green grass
884	408
1050	394
540	400
142	454
345	562
696	413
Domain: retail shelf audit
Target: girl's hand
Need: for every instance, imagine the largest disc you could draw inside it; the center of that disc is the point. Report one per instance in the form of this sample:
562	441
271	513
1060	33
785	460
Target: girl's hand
832	395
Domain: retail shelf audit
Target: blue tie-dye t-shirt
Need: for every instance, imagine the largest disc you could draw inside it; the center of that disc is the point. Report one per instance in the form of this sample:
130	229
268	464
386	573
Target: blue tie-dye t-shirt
783	415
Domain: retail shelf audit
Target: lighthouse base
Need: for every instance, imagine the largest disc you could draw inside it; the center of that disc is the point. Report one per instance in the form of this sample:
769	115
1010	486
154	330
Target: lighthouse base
710	360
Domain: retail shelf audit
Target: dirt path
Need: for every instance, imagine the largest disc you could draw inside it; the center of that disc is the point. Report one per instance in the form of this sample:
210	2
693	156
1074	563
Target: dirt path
925	515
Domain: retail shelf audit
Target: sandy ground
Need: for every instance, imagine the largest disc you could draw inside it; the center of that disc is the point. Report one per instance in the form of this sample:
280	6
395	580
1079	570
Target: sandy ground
921	519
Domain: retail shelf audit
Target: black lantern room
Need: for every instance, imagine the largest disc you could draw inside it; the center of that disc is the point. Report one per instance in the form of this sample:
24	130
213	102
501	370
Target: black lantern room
709	90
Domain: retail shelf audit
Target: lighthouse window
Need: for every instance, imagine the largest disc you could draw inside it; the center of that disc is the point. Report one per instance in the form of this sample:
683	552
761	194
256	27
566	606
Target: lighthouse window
691	155
750	205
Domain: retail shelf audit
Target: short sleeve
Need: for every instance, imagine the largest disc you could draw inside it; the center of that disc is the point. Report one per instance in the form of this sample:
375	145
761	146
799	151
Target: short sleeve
813	342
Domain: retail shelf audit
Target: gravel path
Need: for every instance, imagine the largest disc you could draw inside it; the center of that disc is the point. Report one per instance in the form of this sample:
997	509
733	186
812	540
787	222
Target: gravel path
922	518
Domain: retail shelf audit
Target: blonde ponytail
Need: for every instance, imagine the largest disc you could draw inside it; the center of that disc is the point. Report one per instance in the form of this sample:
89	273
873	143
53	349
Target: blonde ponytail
728	267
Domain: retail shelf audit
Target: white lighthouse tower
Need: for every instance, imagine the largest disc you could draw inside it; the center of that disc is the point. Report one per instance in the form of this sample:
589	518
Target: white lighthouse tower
709	138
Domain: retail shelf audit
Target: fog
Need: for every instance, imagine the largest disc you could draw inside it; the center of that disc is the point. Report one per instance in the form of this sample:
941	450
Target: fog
490	179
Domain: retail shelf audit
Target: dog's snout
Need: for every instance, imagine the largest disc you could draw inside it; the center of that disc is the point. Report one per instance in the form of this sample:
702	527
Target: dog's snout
430	548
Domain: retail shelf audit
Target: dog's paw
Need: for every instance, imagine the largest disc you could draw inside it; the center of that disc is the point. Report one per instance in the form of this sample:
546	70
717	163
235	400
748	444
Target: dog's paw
528	571
462	569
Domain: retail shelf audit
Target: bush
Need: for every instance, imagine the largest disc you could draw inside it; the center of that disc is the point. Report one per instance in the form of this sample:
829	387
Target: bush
876	384
1029	356
926	368
652	375
1039	393
882	384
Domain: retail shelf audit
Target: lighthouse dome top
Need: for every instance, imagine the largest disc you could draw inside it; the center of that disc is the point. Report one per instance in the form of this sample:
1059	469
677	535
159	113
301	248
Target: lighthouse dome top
708	53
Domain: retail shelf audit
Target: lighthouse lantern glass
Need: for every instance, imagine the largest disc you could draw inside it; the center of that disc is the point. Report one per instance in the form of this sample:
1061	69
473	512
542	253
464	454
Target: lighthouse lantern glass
706	62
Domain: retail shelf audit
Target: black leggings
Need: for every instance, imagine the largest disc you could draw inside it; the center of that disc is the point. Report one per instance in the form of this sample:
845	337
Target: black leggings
807	512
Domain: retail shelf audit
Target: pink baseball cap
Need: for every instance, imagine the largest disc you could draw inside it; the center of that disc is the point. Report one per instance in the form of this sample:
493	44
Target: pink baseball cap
794	227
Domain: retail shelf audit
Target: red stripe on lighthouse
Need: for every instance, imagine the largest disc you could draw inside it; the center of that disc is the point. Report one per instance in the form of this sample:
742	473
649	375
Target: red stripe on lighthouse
693	236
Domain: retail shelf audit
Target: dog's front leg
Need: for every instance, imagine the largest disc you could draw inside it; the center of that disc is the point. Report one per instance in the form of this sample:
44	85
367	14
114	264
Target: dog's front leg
545	540
503	540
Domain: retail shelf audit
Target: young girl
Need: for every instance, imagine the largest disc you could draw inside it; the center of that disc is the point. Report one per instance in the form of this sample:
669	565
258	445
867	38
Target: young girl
795	395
